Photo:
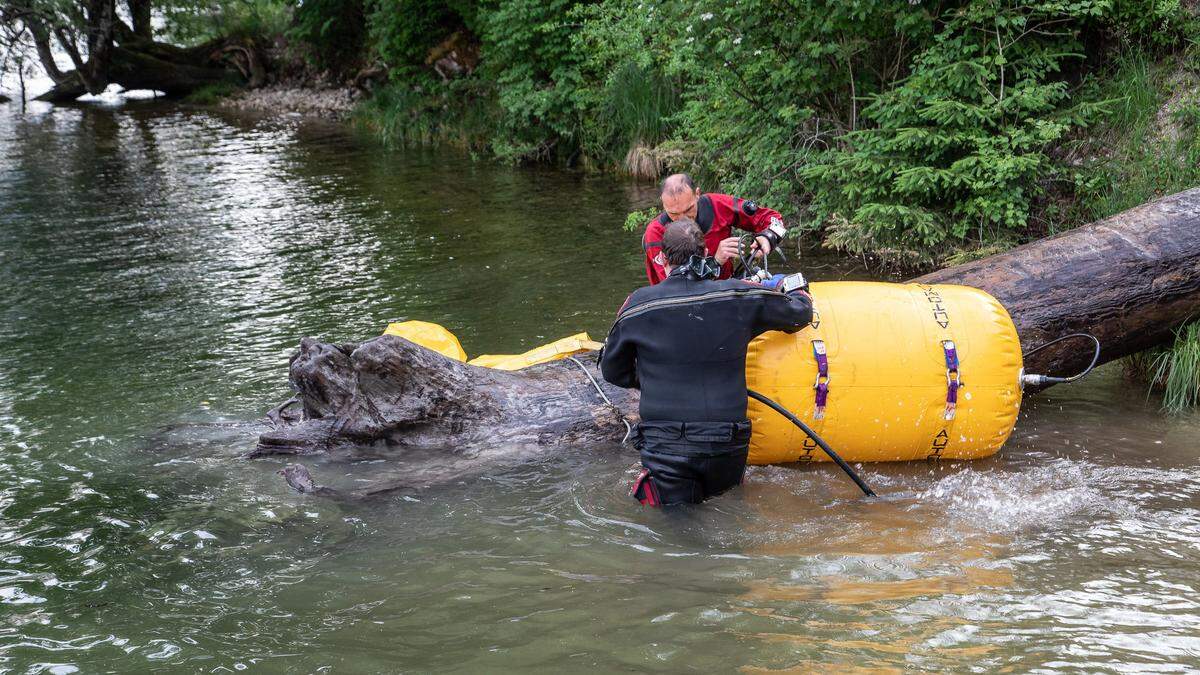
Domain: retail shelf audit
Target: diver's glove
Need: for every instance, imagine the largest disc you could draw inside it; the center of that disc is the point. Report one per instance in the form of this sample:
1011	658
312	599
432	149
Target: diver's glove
774	233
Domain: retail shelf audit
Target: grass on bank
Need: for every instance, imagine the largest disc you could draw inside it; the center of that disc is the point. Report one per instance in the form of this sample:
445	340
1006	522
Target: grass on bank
210	94
463	115
1147	146
1174	371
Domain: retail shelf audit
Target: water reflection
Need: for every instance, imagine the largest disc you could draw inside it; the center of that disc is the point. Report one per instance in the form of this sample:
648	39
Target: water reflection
161	265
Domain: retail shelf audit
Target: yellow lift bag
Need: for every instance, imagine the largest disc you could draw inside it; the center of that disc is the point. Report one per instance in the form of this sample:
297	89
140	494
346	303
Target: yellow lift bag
430	336
559	349
889	372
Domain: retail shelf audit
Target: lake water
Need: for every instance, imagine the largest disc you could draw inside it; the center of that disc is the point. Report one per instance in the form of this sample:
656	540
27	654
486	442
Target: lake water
159	264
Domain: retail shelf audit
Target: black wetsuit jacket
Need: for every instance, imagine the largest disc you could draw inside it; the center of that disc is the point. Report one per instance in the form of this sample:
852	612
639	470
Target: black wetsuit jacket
683	343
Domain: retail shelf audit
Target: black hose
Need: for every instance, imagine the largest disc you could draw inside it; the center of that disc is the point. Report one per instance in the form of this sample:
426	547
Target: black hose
744	243
746	263
1041	380
817	439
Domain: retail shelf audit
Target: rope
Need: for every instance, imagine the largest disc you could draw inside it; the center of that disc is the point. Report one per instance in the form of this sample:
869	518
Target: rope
628	429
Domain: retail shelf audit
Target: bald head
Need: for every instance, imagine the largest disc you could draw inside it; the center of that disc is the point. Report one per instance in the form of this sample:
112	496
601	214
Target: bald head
680	196
678	183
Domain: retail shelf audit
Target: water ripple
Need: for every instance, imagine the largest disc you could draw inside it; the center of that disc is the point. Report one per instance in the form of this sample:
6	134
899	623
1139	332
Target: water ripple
165	262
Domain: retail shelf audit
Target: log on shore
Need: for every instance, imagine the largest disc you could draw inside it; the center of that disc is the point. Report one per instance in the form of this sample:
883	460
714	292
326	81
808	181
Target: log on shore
175	71
1129	280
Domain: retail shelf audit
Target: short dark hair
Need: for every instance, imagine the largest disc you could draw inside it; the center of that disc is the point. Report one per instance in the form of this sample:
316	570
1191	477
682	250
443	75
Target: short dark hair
682	240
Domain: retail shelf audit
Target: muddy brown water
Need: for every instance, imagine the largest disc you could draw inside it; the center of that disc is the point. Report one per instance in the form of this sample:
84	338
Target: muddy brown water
159	264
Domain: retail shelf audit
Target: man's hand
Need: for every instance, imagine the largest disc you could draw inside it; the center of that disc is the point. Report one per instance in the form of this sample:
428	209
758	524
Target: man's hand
727	250
761	247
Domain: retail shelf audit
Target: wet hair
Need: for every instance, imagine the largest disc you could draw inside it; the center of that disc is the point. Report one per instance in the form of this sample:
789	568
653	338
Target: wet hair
682	240
676	183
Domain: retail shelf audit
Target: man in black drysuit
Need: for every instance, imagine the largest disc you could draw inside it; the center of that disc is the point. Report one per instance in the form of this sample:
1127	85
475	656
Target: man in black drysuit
683	343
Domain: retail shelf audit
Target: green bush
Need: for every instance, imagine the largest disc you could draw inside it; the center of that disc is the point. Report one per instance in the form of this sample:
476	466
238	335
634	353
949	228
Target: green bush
1153	24
192	23
527	52
403	31
629	99
916	131
771	86
958	151
333	31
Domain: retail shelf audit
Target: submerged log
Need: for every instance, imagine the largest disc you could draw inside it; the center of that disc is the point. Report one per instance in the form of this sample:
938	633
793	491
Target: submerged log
1129	280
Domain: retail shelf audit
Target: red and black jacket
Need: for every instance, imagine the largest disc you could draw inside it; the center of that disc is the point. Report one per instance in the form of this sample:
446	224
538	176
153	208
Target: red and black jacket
717	215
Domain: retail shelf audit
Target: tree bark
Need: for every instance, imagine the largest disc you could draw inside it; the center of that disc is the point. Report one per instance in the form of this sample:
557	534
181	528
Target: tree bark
41	40
1129	280
101	23
80	77
390	392
139	12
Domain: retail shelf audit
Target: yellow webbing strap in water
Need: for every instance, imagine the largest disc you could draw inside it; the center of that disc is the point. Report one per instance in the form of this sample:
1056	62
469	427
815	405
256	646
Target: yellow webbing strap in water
559	349
435	337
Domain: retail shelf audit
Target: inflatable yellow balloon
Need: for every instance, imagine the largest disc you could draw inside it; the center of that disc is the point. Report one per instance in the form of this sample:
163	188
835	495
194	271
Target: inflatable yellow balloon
889	372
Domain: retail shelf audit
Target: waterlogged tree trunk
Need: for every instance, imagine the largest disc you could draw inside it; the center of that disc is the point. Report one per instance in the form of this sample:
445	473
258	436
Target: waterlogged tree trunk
41	42
389	391
173	71
1129	280
101	23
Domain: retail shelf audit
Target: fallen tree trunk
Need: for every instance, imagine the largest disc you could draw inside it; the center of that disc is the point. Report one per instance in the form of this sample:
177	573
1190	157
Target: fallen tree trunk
390	391
1129	280
176	71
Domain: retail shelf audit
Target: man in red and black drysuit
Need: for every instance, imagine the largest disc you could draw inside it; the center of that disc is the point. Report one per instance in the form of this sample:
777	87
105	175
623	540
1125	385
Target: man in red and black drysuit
683	344
717	215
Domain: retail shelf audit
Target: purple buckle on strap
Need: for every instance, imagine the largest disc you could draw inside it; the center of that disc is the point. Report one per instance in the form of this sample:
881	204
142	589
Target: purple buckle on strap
953	378
821	385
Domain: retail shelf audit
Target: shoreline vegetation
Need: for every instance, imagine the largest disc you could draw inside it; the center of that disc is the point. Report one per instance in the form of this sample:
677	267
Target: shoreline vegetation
913	135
